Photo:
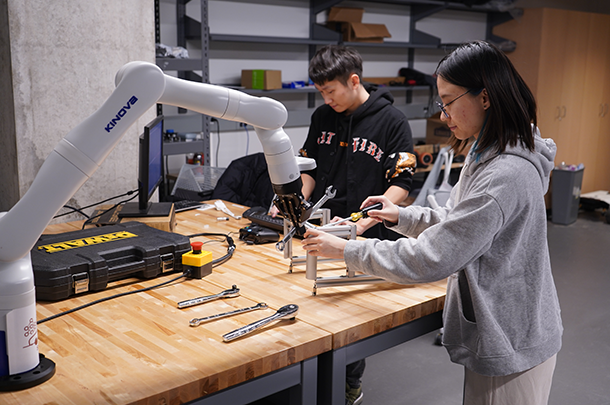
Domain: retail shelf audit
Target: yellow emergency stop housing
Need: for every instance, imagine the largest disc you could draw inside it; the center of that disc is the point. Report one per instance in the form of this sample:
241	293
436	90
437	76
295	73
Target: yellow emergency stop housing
200	263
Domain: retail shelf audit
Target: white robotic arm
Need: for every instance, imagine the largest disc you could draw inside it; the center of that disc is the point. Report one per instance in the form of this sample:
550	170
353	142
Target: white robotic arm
140	86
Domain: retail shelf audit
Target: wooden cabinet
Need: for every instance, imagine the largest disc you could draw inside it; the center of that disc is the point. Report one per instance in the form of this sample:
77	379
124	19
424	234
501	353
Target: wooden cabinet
595	112
564	56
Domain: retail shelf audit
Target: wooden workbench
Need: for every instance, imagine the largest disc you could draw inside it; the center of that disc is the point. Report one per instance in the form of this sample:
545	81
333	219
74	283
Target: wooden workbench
140	349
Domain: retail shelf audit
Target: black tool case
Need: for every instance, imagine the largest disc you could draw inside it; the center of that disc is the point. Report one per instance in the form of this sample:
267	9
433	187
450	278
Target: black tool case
75	262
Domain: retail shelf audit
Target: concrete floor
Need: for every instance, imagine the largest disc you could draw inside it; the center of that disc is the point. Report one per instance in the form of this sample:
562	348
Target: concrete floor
420	373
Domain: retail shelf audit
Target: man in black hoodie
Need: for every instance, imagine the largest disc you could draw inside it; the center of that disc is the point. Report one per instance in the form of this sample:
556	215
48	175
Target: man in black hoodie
361	143
362	146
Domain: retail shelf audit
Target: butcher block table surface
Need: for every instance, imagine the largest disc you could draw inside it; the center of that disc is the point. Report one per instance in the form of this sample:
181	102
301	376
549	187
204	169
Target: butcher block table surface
140	348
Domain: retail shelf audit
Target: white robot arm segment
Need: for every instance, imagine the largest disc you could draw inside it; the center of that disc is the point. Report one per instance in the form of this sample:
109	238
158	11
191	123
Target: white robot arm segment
140	86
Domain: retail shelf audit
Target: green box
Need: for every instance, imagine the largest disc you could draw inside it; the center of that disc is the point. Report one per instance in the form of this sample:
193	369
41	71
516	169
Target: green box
261	79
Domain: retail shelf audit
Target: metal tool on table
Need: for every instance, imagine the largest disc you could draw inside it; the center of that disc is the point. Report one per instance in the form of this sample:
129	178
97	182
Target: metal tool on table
287	311
355	216
330	193
220	206
198	321
230	293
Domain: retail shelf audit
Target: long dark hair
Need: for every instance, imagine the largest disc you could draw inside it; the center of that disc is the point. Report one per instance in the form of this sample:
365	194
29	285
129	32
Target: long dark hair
335	62
480	65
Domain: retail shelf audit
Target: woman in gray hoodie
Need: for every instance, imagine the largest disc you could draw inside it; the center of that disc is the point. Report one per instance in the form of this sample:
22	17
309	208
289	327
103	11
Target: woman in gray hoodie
501	318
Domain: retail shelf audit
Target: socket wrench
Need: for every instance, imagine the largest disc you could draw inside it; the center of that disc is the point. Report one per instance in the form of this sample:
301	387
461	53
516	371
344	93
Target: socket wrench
289	311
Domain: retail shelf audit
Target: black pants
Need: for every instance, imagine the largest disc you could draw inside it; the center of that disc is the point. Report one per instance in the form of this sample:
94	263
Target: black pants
354	373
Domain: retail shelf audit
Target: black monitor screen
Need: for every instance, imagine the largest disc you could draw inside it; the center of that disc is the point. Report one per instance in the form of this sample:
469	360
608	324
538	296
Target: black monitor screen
150	173
155	155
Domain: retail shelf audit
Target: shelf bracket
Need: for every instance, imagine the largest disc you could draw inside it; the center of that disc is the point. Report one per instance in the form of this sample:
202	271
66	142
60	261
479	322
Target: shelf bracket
496	18
322	33
419	12
317	6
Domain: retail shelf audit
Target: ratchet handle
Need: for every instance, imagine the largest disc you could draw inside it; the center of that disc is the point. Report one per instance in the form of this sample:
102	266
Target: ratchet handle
288	311
230	293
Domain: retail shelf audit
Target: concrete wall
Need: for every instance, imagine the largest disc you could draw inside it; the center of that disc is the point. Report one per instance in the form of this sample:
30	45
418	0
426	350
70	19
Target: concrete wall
58	61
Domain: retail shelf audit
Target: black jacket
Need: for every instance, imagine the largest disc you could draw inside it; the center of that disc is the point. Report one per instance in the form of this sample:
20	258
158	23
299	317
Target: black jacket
359	154
246	181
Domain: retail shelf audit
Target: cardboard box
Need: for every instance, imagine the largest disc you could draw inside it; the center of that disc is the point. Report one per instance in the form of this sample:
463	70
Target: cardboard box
261	79
349	22
345	14
436	130
361	32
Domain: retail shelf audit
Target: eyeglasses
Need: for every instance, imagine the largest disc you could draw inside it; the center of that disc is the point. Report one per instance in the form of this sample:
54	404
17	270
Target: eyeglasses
443	106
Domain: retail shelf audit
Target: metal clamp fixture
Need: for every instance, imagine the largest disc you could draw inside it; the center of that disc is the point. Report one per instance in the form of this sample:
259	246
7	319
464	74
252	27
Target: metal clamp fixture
339	229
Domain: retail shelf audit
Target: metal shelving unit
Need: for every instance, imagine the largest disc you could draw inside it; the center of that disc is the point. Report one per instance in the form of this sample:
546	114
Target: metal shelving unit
318	35
185	68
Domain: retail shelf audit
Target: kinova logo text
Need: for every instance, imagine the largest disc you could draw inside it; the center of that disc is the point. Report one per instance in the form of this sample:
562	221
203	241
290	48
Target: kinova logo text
121	113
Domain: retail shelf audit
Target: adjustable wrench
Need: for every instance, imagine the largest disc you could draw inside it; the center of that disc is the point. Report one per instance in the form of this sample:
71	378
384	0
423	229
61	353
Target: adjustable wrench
230	293
330	193
287	311
197	321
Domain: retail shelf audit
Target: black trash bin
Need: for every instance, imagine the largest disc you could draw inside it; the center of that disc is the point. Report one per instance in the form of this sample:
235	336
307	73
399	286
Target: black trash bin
565	199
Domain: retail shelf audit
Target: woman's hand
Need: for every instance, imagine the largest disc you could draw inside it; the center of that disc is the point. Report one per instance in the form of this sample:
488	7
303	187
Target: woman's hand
389	212
319	243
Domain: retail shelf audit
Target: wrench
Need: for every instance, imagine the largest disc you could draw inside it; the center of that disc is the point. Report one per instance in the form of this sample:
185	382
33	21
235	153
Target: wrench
330	193
197	321
281	245
287	311
230	293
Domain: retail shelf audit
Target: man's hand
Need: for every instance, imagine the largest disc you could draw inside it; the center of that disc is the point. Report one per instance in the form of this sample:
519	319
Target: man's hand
319	243
274	211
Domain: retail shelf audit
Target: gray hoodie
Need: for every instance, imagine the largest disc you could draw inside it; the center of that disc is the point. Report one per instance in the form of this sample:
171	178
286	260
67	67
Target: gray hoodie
501	312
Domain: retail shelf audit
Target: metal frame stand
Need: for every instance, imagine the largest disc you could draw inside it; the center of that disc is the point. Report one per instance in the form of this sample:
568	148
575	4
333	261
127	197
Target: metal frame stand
347	231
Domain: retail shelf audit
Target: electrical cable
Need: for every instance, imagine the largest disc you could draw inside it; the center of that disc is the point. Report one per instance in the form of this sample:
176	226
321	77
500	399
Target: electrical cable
93	205
69	311
88	221
74	209
216	262
229	241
